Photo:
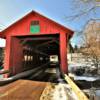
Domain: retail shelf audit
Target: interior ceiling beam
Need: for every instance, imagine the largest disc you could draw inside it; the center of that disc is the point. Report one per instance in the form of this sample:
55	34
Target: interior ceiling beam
46	43
38	38
23	41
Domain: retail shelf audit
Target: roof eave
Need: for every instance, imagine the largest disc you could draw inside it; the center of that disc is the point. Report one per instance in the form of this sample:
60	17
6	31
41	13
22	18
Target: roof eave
71	31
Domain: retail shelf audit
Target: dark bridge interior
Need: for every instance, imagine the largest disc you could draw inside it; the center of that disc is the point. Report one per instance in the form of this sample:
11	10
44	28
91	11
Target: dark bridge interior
41	52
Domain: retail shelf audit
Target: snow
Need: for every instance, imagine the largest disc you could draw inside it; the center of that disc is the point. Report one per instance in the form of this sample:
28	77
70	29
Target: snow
58	92
2	42
86	78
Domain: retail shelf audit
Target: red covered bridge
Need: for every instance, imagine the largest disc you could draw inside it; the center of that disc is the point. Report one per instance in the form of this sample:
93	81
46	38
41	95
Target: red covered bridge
32	41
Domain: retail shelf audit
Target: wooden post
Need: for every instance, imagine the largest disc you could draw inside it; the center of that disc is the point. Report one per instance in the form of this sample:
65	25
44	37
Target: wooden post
63	52
7	54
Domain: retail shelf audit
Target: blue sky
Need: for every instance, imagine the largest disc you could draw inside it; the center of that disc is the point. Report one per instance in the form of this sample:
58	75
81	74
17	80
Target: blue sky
11	10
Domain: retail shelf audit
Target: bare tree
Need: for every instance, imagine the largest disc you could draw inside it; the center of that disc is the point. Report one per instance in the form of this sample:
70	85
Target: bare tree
84	8
92	42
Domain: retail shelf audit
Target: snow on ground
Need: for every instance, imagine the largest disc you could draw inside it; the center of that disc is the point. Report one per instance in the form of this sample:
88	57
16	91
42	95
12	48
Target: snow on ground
1	76
58	92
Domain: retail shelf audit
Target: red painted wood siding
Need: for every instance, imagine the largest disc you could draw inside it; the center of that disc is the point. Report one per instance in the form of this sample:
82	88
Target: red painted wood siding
22	27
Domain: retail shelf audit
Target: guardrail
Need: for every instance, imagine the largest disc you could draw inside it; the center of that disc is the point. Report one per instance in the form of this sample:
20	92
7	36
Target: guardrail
76	89
4	72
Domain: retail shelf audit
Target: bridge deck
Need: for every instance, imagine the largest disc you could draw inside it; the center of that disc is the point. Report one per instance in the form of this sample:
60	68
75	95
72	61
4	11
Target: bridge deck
22	90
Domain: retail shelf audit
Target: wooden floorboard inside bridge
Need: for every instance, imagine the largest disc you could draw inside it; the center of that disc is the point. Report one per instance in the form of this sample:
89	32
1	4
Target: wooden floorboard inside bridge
22	90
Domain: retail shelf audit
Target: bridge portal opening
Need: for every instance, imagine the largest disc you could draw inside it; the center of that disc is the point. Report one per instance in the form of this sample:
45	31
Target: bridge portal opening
31	52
